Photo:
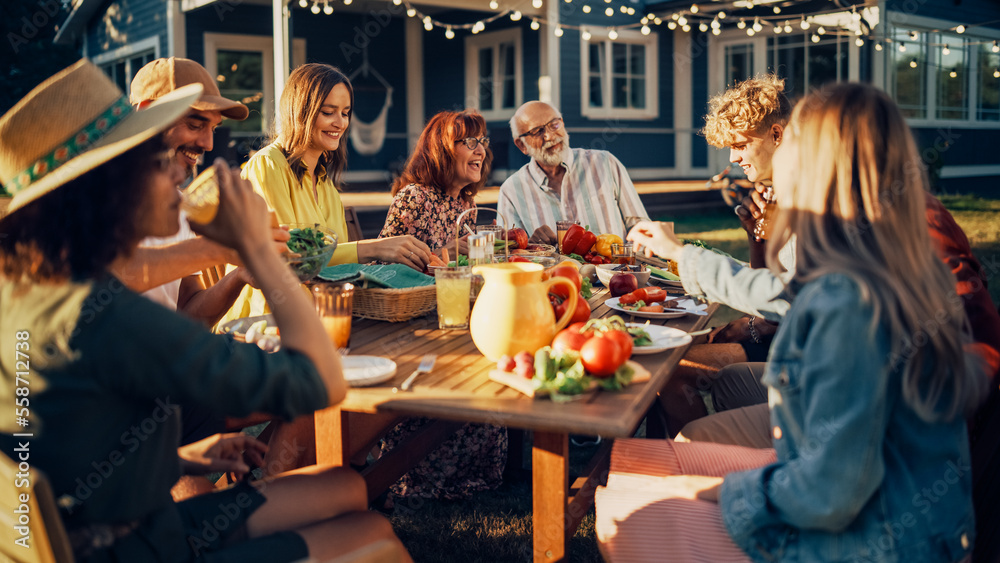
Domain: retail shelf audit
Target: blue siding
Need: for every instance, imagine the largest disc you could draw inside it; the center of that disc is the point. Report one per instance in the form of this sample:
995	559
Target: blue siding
964	11
122	22
699	97
955	146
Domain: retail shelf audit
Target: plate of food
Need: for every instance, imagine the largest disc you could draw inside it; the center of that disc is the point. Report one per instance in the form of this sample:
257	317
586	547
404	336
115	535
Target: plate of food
658	309
362	371
661	338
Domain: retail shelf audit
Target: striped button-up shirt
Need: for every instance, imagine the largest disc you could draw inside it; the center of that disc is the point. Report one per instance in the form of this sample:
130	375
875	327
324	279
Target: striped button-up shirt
596	191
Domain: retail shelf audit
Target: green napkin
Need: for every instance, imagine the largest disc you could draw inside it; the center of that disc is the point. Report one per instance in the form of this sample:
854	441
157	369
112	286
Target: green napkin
392	276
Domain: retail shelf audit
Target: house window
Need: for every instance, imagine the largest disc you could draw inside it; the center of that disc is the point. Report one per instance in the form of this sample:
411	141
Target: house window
121	64
493	65
988	99
806	65
243	67
739	63
944	76
621	76
952	76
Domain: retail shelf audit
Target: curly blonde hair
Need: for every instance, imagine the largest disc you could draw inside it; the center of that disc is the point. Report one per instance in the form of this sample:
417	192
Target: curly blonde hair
752	106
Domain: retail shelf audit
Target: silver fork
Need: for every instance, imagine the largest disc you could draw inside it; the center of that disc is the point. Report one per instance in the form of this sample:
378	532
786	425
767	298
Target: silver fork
426	365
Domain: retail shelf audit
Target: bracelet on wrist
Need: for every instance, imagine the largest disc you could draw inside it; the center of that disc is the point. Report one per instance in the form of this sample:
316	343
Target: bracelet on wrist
753	331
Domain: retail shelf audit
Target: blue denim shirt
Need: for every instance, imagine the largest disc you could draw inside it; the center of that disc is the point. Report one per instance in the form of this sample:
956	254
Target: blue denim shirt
859	477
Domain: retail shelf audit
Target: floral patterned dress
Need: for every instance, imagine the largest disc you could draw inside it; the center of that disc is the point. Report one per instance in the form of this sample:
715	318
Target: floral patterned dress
474	458
428	214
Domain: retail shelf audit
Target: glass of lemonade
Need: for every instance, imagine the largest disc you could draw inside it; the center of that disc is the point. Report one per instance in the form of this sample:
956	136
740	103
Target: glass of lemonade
334	303
453	288
200	200
561	228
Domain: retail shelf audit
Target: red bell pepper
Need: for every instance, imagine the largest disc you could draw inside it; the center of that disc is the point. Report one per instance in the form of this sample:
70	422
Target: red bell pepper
587	241
571	239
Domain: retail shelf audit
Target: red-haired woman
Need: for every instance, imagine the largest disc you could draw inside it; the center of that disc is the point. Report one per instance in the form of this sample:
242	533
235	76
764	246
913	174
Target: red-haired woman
449	164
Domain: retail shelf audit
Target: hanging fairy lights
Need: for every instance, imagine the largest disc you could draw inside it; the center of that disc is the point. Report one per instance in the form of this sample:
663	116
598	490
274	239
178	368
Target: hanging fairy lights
841	23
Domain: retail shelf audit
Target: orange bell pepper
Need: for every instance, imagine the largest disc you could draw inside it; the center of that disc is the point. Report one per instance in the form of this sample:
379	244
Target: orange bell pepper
604	242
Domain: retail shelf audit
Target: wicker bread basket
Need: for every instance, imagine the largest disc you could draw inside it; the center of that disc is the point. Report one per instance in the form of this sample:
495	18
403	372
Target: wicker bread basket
394	305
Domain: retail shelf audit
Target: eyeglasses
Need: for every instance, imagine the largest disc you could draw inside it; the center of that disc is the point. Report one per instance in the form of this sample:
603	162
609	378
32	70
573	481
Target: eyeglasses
471	142
552	126
164	159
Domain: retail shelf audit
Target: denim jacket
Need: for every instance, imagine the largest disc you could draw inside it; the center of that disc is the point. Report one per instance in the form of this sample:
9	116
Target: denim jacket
859	476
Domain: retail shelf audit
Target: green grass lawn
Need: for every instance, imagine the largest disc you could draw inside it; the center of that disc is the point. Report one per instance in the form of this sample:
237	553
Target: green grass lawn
496	526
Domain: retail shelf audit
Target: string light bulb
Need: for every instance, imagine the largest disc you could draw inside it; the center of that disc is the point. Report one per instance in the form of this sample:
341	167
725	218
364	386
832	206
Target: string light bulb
821	30
586	8
612	34
515	15
327	8
397	2
716	24
777	9
303	3
750	32
658	21
494	4
449	33
777	29
722	15
756	25
859	42
913	36
535	25
536	4
749	4
855	16
953	74
960	29
644	30
902	47
716	31
996	47
703	27
609	11
996	73
685	28
671	25
315	8
814	38
585	35
878	46
945	50
558	31
682	21
913	63
742	24
630	11
675	16
623	9
803	23
694	8
788	27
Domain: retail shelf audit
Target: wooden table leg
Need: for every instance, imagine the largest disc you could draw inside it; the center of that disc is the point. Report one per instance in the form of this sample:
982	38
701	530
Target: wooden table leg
550	488
332	437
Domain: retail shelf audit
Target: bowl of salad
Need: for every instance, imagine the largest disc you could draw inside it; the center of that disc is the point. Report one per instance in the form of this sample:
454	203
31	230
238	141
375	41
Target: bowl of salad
309	249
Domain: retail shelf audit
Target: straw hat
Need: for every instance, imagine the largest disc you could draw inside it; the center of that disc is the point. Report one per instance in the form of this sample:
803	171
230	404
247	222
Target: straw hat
72	123
162	76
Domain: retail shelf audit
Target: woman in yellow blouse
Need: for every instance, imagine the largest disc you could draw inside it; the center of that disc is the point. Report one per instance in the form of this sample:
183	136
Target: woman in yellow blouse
297	173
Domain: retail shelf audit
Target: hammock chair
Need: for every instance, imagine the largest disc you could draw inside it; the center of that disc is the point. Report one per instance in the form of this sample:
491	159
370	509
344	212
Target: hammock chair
368	138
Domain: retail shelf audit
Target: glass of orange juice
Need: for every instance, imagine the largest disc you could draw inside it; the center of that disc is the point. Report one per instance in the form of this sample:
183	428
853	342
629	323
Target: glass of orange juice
453	288
333	305
200	200
562	227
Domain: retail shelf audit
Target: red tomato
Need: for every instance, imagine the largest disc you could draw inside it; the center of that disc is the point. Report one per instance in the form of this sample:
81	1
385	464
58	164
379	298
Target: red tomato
640	294
624	341
582	312
600	356
627	299
654	294
568	272
518	259
576	326
569	339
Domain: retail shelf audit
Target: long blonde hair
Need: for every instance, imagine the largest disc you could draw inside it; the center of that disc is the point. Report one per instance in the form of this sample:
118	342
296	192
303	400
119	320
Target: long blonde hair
303	96
854	197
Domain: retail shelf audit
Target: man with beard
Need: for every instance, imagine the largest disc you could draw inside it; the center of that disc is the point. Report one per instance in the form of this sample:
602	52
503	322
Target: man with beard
167	269
563	184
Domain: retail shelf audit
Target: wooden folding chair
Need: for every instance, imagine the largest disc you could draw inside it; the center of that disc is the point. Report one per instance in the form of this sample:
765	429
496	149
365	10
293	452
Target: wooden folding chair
354	232
211	276
31	504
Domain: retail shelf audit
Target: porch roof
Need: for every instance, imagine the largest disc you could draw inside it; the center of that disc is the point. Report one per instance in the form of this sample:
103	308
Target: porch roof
76	23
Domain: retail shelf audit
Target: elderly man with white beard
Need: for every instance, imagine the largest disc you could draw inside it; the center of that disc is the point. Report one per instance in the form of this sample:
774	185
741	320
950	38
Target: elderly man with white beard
563	184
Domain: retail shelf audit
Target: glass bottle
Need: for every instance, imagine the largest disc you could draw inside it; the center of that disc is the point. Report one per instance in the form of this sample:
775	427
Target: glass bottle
762	228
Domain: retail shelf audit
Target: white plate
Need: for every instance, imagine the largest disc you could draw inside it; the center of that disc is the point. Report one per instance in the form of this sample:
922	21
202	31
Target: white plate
664	338
361	371
687	306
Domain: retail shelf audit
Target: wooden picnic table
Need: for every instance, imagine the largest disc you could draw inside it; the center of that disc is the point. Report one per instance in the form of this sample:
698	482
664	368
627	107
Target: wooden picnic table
459	391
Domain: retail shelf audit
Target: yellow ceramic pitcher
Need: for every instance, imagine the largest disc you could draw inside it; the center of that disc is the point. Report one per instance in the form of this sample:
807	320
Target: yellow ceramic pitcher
512	313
